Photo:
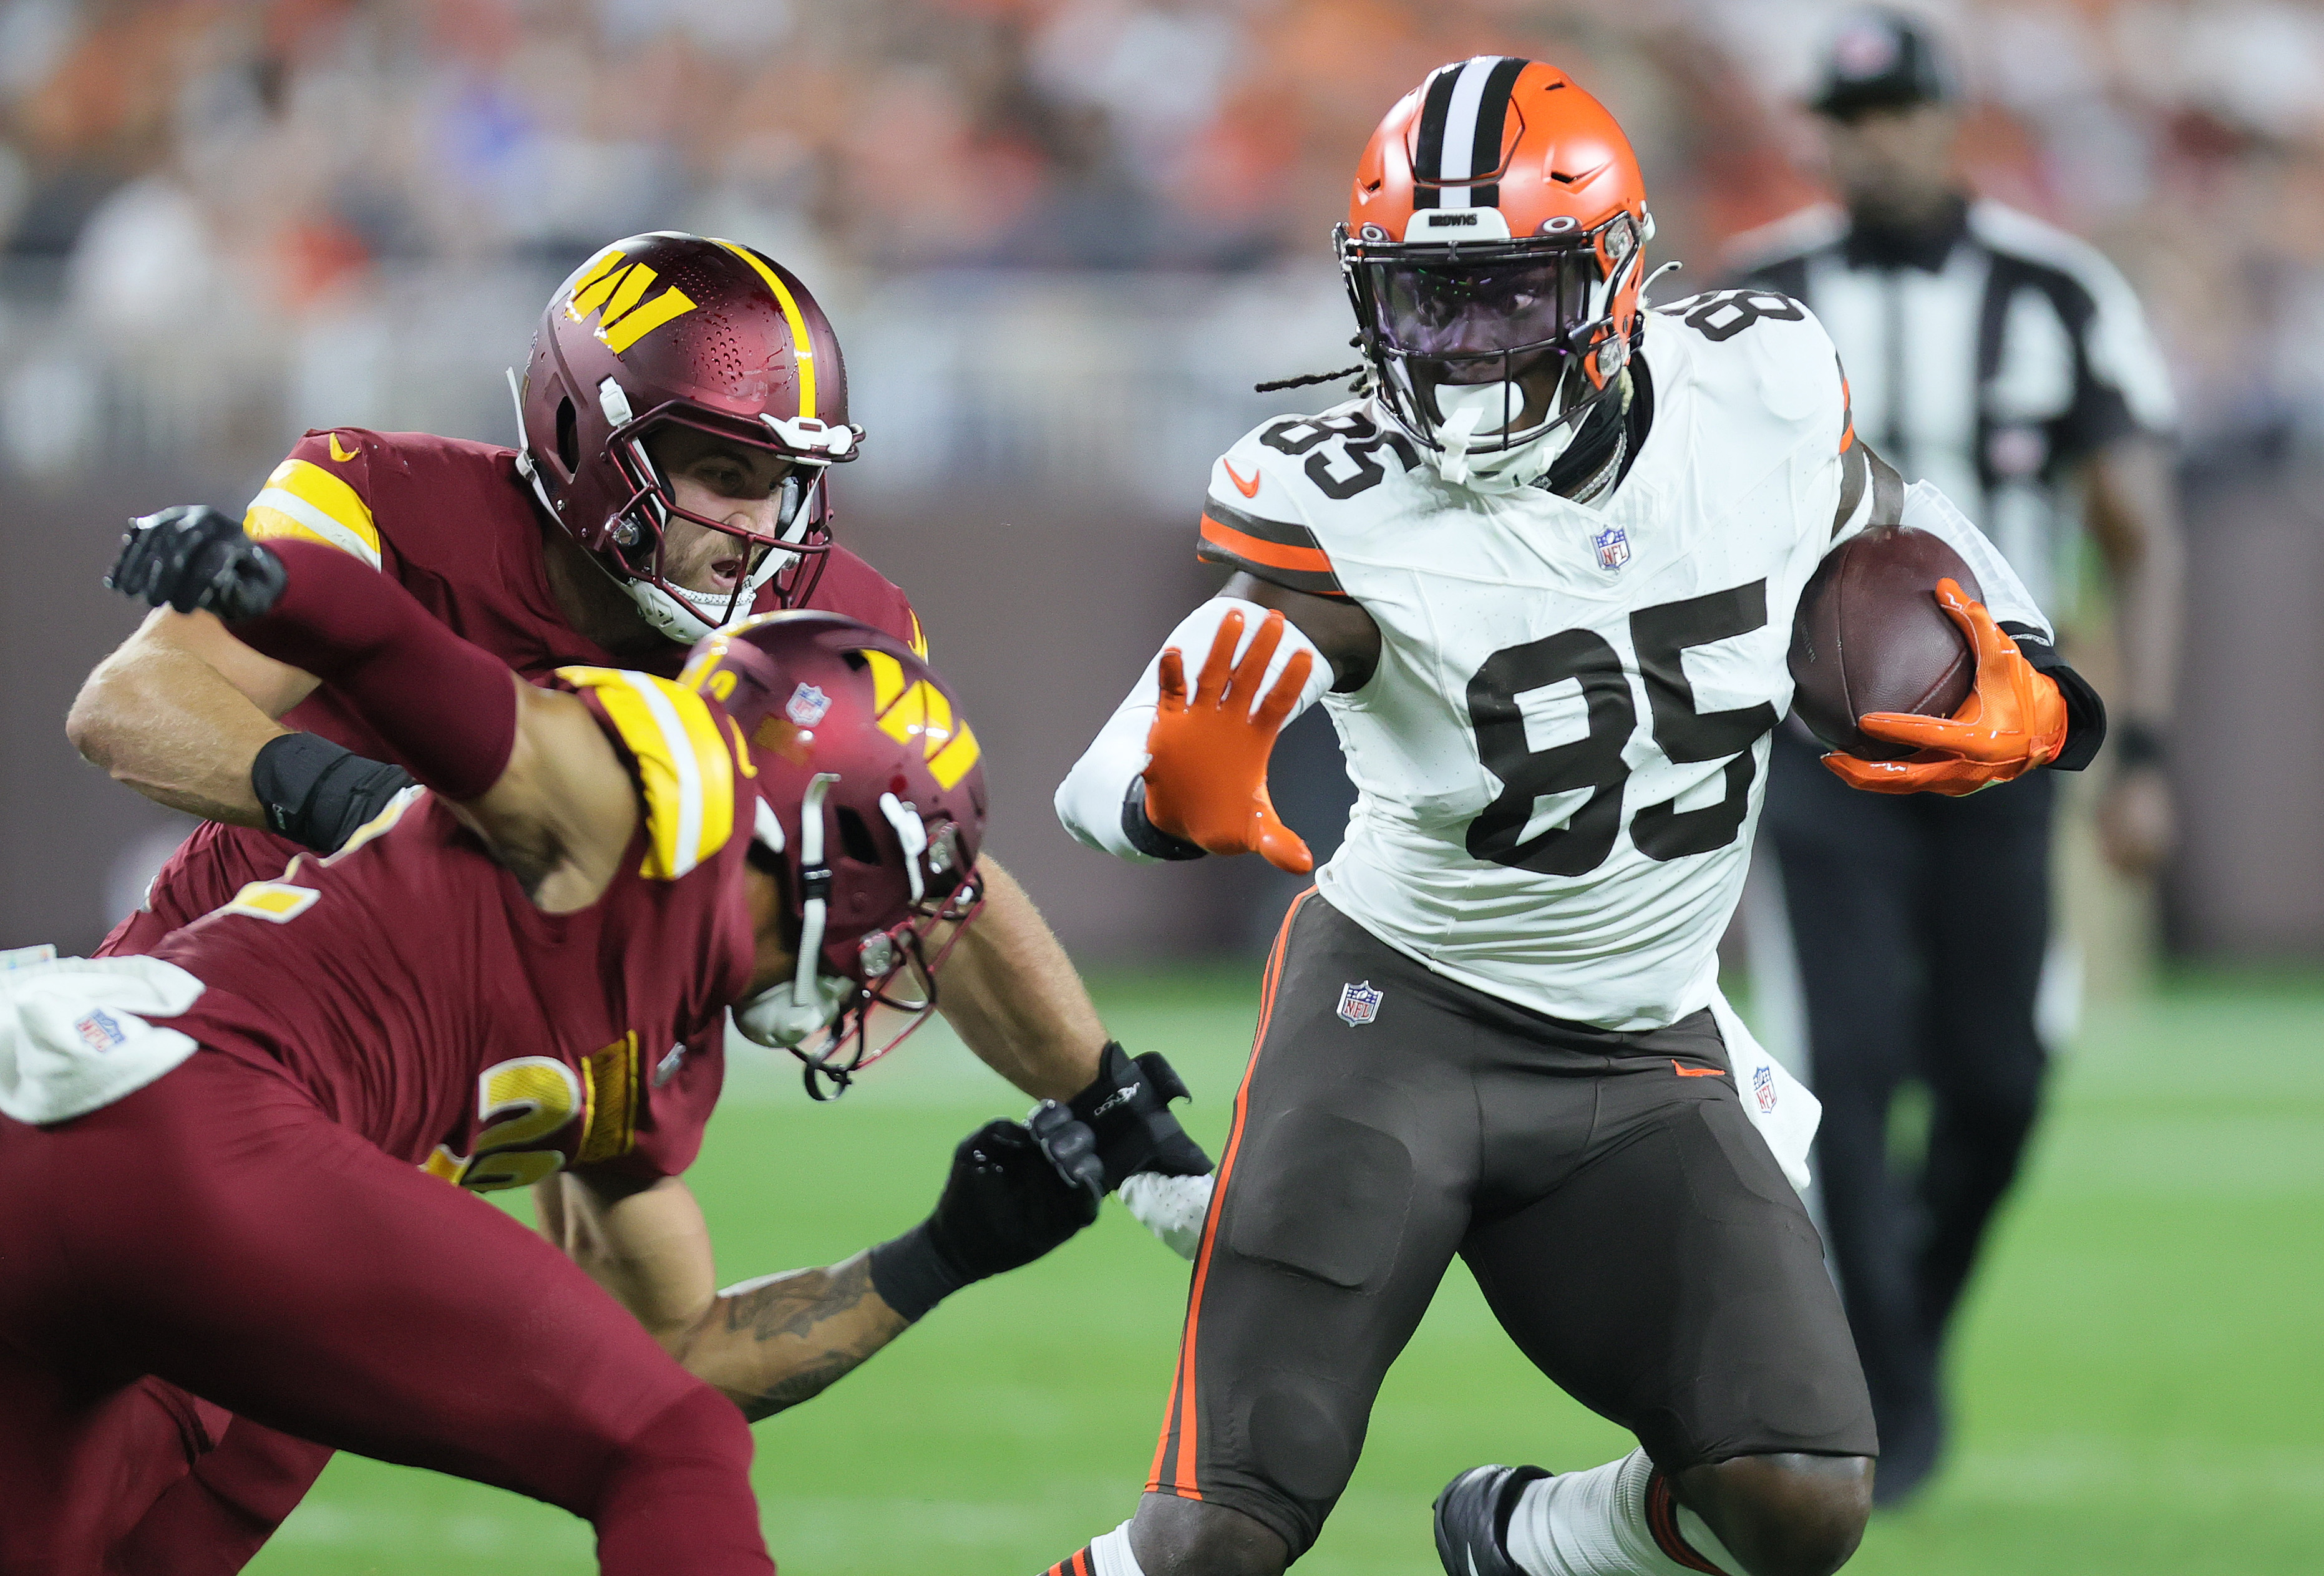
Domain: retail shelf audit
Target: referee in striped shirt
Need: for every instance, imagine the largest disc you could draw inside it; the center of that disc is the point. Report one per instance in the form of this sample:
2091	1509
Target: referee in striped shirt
2009	365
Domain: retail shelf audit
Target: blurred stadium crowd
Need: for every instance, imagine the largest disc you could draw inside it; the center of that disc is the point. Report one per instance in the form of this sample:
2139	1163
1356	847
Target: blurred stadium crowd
247	208
1062	238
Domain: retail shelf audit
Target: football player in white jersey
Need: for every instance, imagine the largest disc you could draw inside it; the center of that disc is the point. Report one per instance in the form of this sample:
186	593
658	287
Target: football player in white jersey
1542	574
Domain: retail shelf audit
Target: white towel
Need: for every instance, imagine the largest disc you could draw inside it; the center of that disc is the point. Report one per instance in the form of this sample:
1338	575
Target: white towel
1779	1104
74	1035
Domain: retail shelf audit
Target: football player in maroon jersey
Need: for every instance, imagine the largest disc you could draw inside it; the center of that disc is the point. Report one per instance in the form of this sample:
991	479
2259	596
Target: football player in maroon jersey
684	405
226	1161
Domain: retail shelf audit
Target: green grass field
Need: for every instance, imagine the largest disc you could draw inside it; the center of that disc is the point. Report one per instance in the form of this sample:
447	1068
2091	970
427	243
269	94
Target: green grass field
2139	1381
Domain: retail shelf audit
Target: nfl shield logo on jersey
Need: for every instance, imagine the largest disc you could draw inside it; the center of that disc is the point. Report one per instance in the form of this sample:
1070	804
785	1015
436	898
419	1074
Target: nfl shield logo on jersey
807	705
1762	1085
1613	545
1358	1003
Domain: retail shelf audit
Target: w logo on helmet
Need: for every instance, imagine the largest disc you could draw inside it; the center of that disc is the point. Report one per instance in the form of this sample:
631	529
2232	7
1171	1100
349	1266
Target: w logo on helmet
615	289
917	709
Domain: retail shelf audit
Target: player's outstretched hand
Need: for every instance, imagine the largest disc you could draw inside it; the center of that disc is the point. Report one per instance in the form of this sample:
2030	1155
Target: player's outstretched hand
1015	1191
2014	720
196	558
1207	780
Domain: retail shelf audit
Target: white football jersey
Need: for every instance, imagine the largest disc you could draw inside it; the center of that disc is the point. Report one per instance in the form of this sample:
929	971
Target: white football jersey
1561	756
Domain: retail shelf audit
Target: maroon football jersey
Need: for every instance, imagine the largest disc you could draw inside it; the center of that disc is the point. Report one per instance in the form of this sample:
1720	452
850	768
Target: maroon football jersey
409	982
459	529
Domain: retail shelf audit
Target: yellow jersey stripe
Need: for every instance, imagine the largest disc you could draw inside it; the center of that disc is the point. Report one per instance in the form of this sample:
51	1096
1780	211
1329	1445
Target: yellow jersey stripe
263	520
320	500
276	902
683	764
801	346
611	1129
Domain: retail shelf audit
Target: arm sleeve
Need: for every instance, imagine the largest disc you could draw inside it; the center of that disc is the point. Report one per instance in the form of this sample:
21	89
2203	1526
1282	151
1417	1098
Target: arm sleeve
1279	552
321	493
447	708
1102	801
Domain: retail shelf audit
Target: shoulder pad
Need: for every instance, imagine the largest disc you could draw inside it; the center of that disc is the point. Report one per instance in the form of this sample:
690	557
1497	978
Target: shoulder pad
850	586
321	493
1757	348
1268	492
684	767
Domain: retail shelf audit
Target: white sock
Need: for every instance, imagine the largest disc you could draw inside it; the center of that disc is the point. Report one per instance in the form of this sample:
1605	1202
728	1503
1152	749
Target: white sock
1598	1524
1111	1554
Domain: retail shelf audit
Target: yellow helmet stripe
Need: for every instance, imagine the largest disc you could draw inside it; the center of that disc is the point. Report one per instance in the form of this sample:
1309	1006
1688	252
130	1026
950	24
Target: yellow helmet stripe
951	763
801	346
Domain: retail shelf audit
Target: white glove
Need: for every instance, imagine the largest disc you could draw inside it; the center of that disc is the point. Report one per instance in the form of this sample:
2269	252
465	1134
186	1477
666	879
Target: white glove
1171	1207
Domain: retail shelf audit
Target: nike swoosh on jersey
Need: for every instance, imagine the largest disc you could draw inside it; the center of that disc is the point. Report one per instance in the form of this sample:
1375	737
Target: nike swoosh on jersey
1248	489
341	454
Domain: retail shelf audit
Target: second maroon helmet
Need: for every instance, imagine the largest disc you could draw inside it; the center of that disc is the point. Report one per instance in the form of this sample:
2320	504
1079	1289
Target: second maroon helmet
871	799
664	329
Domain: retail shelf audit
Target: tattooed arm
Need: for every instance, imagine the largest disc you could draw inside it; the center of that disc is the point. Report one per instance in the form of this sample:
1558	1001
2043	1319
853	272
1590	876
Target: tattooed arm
766	1345
774	1342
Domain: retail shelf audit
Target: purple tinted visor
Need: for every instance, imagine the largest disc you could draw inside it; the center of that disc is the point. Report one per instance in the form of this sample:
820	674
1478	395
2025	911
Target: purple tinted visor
1440	309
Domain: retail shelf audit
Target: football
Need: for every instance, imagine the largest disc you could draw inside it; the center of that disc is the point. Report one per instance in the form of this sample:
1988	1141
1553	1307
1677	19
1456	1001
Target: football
1869	637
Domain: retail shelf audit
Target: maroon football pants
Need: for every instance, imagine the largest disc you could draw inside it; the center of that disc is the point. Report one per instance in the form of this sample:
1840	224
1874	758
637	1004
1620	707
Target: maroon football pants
240	1479
217	1231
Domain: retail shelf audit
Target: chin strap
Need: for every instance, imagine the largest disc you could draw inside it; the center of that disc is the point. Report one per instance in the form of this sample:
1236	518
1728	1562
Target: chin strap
913	833
814	883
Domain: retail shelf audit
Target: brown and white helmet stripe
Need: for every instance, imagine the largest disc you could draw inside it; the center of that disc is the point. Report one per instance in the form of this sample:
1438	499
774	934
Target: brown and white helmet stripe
1465	137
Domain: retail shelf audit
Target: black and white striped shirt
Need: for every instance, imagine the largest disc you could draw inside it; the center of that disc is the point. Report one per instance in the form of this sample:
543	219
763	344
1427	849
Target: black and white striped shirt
1991	362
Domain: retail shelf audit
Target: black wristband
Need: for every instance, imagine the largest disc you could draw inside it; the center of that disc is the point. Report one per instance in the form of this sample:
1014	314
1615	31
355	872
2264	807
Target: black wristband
318	793
2086	717
1147	837
912	1276
2138	747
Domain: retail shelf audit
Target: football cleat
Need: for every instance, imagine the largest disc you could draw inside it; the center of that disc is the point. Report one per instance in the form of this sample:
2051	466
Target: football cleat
1473	1520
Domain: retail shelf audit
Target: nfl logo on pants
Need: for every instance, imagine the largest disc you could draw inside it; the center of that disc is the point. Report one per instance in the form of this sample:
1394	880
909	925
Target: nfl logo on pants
1358	1003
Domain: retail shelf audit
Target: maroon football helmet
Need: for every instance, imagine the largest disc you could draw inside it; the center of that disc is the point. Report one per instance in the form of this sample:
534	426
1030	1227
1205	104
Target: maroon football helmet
667	330
871	804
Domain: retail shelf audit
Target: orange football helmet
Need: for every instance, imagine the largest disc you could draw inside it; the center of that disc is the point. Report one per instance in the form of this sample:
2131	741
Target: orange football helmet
1494	250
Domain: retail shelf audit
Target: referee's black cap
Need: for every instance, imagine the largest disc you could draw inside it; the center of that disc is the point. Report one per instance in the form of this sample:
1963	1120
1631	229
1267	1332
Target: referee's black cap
1880	58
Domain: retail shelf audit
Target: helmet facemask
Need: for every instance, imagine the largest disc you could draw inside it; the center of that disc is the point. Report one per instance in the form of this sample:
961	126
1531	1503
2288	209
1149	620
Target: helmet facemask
851	1003
1490	353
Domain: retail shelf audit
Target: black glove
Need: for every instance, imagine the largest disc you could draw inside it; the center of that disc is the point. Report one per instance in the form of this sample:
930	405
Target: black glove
194	557
1015	1191
1128	1108
318	793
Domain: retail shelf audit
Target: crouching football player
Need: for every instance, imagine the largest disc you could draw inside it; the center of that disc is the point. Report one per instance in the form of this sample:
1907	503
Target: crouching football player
242	1165
1545	568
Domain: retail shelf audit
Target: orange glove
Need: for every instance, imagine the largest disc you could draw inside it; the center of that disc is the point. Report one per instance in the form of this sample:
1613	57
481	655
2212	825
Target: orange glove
2013	721
1207	782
